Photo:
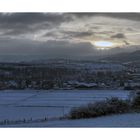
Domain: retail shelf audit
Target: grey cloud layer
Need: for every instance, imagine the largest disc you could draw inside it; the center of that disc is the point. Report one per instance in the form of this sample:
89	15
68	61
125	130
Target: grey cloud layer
50	48
129	16
63	34
20	23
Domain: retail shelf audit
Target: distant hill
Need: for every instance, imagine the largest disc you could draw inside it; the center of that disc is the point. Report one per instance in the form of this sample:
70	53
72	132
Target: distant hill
124	57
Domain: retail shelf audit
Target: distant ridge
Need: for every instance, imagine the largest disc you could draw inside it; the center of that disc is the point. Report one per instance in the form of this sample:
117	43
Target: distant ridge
124	57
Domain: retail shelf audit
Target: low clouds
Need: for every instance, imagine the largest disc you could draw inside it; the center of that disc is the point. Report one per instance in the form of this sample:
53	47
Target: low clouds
50	48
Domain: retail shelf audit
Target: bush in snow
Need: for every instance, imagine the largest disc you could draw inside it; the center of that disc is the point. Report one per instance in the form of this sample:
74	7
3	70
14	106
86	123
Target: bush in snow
136	102
109	106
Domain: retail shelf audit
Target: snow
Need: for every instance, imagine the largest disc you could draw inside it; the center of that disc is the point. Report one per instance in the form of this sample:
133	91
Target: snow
26	104
124	120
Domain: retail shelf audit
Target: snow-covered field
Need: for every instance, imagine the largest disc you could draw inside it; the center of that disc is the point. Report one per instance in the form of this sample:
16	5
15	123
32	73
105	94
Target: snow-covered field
27	104
124	120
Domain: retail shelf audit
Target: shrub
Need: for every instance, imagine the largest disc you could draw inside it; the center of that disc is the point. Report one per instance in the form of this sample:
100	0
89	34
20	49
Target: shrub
109	106
136	102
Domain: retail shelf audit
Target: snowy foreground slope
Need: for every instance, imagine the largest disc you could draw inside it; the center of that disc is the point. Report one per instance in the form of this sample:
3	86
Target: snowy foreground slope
36	104
124	120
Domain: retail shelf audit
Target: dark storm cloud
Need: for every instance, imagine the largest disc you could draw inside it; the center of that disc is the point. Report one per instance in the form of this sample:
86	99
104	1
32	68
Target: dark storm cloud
22	23
19	23
119	36
32	18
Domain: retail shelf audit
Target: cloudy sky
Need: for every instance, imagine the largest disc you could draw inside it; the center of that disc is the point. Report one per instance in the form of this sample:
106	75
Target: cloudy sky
68	34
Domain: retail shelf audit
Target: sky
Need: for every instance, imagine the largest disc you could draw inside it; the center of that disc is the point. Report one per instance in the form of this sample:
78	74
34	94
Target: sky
72	35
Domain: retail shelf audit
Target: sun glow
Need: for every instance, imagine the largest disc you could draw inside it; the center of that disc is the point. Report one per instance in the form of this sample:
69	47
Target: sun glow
103	45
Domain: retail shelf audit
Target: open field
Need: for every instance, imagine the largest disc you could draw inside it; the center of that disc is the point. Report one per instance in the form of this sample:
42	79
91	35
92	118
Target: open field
34	104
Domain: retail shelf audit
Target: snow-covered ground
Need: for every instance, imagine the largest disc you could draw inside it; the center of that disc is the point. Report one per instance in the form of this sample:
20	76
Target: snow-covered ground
26	104
124	120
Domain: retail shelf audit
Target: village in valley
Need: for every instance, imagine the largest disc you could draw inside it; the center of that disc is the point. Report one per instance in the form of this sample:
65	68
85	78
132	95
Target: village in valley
70	74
